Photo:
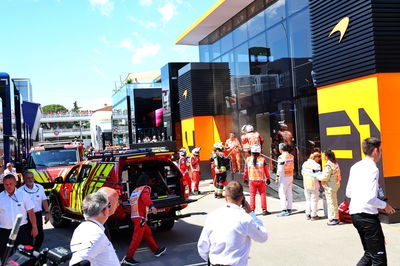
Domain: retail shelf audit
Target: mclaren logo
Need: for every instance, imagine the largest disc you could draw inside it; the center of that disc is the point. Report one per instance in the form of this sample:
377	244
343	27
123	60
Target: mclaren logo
341	27
184	94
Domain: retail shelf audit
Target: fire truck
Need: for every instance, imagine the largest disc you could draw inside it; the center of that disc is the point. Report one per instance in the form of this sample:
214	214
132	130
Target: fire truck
50	160
120	170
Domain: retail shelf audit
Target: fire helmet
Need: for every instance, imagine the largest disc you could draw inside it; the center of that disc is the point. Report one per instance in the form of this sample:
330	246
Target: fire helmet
256	148
219	146
196	151
182	152
249	128
243	129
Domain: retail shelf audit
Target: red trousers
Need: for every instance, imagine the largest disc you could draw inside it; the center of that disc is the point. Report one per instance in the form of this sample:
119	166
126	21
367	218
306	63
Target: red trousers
235	160
187	181
196	180
139	233
261	187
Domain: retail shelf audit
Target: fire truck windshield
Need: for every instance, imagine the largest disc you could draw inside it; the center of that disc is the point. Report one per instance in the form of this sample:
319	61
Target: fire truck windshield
53	158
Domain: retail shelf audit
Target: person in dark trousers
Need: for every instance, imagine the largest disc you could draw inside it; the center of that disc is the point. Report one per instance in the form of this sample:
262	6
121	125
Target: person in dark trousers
12	203
39	199
364	191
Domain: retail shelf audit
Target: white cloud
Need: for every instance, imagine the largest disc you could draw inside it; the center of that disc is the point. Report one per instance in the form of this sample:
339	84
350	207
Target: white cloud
147	49
97	70
167	11
104	6
104	39
126	44
146	2
146	24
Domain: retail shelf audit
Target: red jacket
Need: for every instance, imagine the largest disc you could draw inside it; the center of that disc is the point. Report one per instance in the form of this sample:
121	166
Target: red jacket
144	202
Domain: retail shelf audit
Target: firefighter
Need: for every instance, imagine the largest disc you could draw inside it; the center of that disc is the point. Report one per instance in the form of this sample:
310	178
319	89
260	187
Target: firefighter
184	167
140	205
195	166
245	144
285	136
220	166
252	137
284	177
256	174
232	146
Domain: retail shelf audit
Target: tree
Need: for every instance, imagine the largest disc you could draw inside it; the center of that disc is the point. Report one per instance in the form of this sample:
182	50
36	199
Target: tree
76	107
54	108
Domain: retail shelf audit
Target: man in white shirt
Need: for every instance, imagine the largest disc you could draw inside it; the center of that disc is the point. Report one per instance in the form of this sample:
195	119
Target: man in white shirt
228	231
12	203
39	199
10	170
363	189
89	242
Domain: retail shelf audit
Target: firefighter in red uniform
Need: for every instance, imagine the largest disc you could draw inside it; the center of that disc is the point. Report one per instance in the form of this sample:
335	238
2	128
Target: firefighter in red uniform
252	137
220	165
256	170
184	167
195	165
140	204
232	146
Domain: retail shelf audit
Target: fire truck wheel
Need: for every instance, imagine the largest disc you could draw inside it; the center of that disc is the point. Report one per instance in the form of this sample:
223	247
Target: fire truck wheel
56	215
166	225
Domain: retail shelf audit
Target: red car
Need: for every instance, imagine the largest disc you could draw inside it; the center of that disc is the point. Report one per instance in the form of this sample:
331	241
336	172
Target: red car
121	171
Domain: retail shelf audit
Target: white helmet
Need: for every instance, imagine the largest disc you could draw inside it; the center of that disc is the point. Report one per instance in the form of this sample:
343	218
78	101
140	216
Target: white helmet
256	148
219	146
182	152
243	130
196	151
249	128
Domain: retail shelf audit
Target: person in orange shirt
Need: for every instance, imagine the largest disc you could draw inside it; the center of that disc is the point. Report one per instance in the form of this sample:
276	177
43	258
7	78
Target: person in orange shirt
232	146
251	138
195	165
256	174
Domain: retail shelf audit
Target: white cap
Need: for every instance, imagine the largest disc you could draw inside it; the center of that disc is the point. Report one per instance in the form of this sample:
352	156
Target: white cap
249	128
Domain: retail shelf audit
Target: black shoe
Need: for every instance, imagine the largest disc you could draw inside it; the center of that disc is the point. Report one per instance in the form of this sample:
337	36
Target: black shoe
265	212
160	251
129	261
308	217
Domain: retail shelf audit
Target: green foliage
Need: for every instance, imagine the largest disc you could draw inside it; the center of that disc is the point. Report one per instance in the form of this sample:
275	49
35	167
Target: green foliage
76	108
129	81
54	108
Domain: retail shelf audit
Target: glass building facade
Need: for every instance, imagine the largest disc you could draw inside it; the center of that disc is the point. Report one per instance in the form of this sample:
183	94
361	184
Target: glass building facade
268	48
136	113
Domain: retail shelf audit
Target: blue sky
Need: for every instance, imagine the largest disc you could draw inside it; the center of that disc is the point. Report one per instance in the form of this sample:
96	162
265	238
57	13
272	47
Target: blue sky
77	49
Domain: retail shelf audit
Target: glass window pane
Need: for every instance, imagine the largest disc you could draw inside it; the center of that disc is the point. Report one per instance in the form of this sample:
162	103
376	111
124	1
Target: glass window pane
275	13
240	34
299	32
226	43
256	24
296	5
215	50
241	54
277	42
204	53
259	54
229	58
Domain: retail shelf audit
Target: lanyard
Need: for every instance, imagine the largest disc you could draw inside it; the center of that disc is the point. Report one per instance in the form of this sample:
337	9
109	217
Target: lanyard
30	192
14	198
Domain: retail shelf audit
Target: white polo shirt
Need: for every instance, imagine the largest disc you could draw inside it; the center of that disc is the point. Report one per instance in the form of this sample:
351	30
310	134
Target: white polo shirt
89	242
11	206
37	195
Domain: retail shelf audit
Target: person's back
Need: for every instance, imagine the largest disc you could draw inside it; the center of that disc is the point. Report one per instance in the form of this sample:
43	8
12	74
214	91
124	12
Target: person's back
228	231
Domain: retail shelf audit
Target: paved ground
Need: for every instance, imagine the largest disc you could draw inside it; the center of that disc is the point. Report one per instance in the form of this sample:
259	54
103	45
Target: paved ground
292	240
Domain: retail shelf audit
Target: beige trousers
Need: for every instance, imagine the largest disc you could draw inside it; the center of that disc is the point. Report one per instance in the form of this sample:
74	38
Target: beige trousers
332	202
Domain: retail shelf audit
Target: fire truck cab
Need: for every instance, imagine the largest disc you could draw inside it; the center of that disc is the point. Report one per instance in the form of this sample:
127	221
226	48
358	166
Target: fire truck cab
120	171
50	160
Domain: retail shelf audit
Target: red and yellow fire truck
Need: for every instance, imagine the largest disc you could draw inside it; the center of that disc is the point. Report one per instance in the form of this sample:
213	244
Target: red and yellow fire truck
50	160
120	170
